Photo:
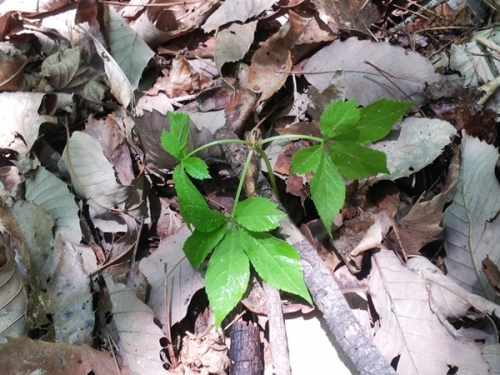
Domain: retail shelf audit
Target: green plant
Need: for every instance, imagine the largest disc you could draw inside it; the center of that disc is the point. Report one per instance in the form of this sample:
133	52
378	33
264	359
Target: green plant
243	237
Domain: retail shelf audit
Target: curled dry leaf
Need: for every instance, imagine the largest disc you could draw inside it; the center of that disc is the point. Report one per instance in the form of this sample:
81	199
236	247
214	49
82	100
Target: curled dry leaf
12	293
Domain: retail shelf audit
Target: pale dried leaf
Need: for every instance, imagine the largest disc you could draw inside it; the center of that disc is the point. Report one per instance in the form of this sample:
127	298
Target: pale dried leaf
171	19
12	293
130	52
47	191
121	87
472	226
59	286
171	275
410	329
420	142
93	179
236	10
363	81
20	119
139	335
448	298
471	61
233	43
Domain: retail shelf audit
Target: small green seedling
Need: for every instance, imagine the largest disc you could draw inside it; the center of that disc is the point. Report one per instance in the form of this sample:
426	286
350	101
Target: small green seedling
243	237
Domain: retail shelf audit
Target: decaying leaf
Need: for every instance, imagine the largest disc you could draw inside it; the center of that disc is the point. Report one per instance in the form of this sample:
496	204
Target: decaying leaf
26	356
235	10
59	286
232	44
172	278
420	142
371	70
139	335
410	329
472	226
12	293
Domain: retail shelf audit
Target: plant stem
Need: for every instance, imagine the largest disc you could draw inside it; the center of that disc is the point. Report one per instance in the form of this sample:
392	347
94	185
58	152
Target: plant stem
242	181
215	143
290	137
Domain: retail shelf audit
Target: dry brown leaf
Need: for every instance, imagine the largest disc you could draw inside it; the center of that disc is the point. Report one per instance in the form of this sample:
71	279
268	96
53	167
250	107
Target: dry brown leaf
11	70
273	56
26	356
233	43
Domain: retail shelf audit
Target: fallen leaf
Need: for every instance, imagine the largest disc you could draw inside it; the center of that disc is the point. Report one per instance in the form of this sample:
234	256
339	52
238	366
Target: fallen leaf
233	43
471	220
392	79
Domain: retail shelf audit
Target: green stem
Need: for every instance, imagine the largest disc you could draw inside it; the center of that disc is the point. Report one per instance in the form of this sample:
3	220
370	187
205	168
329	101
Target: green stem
242	181
269	170
215	143
290	137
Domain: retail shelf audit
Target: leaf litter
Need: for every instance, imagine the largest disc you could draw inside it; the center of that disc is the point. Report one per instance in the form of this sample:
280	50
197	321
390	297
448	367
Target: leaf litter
88	176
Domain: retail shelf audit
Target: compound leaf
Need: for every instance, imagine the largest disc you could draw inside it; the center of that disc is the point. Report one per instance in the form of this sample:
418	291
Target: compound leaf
196	168
376	120
338	118
199	244
275	261
306	159
179	127
194	209
355	161
227	275
327	191
258	214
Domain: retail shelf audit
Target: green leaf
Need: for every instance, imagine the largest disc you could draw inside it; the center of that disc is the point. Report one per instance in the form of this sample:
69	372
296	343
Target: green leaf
376	120
276	262
199	244
227	275
327	191
258	214
179	127
338	117
196	168
194	209
171	144
306	159
355	161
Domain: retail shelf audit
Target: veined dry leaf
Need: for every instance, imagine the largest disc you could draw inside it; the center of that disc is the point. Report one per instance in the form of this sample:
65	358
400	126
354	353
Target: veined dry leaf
362	80
59	286
472	225
236	10
420	142
66	70
12	293
171	19
20	119
121	88
55	358
130	52
448	298
233	43
273	56
93	179
171	275
309	28
47	191
410	329
139	335
471	61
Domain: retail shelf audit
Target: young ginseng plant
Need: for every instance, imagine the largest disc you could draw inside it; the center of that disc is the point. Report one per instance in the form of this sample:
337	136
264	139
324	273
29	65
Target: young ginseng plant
243	237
